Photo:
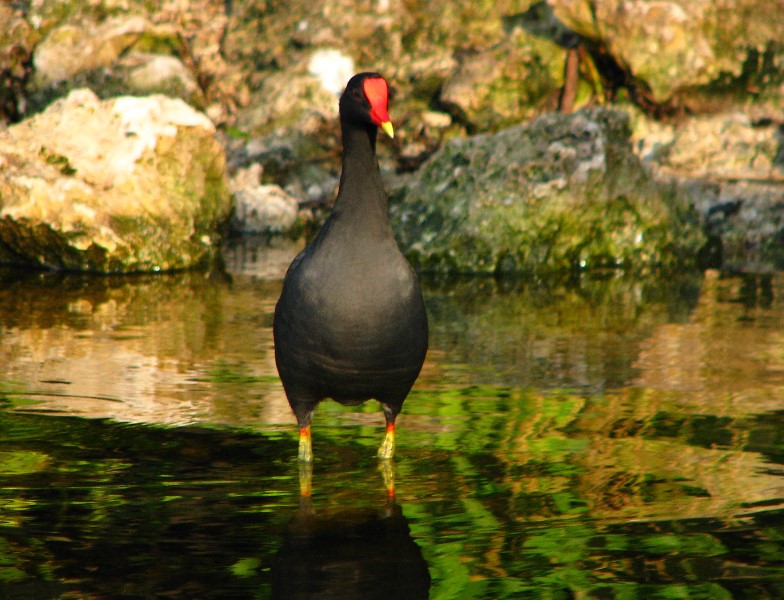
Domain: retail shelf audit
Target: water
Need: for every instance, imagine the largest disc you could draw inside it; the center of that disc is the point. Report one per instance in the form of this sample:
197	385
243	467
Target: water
610	438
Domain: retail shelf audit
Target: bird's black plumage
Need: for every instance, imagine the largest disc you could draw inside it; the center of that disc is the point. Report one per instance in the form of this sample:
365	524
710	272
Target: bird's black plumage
350	323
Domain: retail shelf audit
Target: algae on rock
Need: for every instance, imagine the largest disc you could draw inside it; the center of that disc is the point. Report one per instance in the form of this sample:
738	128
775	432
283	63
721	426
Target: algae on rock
564	192
147	193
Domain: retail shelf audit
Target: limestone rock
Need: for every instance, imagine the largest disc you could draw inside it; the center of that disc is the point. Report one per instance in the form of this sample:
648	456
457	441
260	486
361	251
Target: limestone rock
516	76
731	167
725	146
677	44
563	193
119	56
288	100
260	208
745	221
142	74
333	69
17	39
504	84
128	184
264	209
76	48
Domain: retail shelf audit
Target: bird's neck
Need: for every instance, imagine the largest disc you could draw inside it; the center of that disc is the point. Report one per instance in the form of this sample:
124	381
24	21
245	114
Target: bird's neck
361	197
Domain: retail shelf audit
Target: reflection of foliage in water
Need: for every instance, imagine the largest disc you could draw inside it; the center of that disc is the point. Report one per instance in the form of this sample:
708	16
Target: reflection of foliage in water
129	511
541	512
607	438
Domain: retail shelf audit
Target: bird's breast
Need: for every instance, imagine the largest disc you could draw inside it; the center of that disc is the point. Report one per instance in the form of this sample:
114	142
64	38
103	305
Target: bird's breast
355	315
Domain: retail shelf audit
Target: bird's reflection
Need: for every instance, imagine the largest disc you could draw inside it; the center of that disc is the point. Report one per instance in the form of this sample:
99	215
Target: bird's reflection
365	553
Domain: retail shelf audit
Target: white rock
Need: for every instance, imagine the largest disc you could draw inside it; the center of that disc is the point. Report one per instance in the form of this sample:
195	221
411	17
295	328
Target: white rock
332	68
264	209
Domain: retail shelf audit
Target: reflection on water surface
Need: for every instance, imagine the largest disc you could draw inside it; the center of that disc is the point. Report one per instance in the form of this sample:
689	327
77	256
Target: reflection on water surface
609	439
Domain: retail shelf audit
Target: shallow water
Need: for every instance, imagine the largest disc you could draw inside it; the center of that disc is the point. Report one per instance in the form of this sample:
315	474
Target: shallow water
609	438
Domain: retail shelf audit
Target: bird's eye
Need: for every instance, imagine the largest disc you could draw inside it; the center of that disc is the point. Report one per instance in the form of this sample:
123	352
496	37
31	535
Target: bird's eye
357	93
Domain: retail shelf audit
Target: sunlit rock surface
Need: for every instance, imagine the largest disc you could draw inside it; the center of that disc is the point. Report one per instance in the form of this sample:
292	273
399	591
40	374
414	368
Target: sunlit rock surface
260	208
71	49
287	100
731	167
505	83
17	40
266	74
129	184
676	44
124	54
565	192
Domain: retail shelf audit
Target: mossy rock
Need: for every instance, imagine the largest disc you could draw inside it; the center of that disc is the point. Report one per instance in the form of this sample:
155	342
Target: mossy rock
126	185
565	192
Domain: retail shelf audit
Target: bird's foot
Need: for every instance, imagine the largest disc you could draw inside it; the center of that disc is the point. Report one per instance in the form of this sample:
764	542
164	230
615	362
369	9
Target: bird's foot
387	449
305	445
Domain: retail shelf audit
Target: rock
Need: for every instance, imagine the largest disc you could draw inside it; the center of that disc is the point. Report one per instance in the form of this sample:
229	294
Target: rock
505	83
436	120
143	74
17	39
745	220
414	45
202	29
565	192
332	68
72	49
294	134
283	161
289	100
264	209
674	45
266	73
246	177
730	166
725	146
105	57
129	184
260	208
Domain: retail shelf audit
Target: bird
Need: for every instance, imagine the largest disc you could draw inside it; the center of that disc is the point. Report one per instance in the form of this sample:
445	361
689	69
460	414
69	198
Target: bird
350	323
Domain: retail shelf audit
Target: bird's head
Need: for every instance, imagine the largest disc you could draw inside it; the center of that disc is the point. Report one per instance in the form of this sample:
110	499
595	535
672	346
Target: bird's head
366	100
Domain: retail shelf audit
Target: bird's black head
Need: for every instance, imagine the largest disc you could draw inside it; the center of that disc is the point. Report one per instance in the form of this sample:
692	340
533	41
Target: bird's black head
365	100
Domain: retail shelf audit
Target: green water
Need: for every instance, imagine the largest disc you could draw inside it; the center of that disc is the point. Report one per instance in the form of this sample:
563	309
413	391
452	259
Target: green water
607	438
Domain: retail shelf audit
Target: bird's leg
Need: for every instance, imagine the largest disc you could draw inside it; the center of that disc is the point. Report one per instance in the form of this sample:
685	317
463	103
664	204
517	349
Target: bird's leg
387	449
305	445
305	479
303	407
387	469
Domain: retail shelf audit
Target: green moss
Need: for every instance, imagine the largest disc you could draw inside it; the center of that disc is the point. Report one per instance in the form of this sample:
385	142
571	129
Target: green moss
509	204
529	71
53	13
39	245
155	43
58	161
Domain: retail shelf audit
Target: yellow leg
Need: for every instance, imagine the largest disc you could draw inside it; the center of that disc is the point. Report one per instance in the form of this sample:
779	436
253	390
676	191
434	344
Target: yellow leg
305	446
387	449
387	469
305	479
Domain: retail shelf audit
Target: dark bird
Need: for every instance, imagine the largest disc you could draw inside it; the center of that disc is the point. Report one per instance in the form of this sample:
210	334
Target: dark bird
350	323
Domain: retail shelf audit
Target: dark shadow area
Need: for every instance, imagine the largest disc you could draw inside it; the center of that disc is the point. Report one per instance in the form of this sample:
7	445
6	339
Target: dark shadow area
360	553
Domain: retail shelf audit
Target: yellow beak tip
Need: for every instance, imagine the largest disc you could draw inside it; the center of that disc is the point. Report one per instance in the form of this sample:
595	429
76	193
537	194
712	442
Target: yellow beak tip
388	129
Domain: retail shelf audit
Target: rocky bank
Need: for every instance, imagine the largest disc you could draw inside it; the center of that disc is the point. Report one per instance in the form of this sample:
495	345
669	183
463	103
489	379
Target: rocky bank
561	194
701	85
121	185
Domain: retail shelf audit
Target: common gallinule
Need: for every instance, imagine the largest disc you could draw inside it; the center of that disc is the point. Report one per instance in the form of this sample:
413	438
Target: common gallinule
350	323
